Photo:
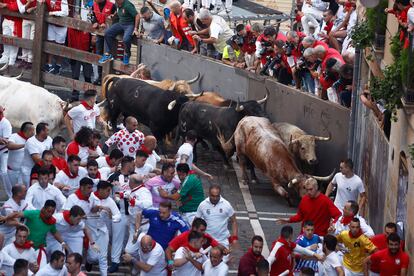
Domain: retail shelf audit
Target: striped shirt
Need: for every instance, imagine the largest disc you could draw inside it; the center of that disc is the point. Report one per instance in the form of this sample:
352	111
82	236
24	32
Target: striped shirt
305	242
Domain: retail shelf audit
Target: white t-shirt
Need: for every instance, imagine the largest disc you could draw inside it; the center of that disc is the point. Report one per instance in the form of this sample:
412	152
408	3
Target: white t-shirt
27	254
144	170
347	189
34	146
327	268
187	269
83	117
37	196
47	270
63	178
186	149
5	132
352	22
153	159
155	258
217	217
221	270
220	30
15	159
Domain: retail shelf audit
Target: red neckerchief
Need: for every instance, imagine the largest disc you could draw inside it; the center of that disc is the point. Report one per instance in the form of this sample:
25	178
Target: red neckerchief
40	163
68	173
97	195
348	6
66	217
192	249
146	150
26	245
153	244
250	250
356	236
86	105
346	220
98	175
48	221
108	160
79	194
21	134
288	245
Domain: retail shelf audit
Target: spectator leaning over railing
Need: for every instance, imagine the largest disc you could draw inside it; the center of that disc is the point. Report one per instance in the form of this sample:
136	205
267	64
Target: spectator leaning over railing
127	26
28	30
249	36
312	13
182	38
101	11
265	45
294	52
56	34
232	54
152	25
12	26
220	31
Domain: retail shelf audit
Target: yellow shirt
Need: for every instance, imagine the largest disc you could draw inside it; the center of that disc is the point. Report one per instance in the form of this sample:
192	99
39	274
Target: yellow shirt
228	54
357	250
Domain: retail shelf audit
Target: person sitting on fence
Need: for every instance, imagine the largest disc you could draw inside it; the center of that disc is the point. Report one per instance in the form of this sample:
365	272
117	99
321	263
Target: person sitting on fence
152	25
127	26
182	38
12	26
28	30
56	33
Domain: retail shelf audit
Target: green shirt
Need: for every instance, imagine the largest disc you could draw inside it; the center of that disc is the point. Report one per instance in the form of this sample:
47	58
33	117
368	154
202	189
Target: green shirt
127	13
192	194
38	229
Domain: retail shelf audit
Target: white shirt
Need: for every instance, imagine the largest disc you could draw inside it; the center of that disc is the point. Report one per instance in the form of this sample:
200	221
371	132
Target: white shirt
27	254
10	206
74	148
126	141
47	270
328	267
5	132
221	270
187	269
144	170
36	196
366	229
217	217
186	149
6	263
74	200
153	159
140	198
102	162
155	258
220	30
67	230
352	22
15	159
83	117
34	146
347	189
96	221
63	178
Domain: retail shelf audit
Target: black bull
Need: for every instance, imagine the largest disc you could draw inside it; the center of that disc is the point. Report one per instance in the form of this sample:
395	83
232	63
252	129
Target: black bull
210	121
147	103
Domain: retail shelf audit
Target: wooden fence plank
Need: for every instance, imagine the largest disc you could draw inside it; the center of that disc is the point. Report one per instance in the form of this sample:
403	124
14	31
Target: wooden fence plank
63	51
126	69
73	23
68	82
39	37
16	41
18	15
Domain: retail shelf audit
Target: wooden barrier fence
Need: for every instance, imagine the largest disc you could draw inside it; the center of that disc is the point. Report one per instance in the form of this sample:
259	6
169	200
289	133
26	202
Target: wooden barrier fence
40	47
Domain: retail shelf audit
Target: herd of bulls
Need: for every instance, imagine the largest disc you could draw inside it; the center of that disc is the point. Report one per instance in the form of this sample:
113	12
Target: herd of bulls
282	151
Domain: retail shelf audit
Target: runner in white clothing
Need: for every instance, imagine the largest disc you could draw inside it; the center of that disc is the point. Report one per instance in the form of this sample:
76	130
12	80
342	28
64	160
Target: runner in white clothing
332	265
33	150
56	267
189	260
151	260
215	265
84	114
110	161
5	133
17	142
16	203
141	167
41	191
6	262
67	180
128	140
80	145
21	248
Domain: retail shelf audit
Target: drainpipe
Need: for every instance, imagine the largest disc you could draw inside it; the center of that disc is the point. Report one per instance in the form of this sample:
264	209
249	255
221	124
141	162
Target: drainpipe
355	101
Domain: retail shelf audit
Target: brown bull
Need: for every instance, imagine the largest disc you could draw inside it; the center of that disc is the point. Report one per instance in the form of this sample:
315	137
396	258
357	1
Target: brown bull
258	142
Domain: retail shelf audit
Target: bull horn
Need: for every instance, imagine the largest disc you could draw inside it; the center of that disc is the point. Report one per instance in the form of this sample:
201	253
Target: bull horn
18	76
5	66
325	178
101	103
239	107
194	79
171	105
321	138
195	96
292	182
265	98
225	145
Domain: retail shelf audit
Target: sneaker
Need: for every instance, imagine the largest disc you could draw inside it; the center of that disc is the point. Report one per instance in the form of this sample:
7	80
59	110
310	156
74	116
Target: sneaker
48	68
55	69
114	268
105	58
125	60
88	266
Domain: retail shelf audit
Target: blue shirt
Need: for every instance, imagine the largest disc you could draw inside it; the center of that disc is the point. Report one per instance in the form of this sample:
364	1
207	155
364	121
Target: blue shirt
305	242
163	231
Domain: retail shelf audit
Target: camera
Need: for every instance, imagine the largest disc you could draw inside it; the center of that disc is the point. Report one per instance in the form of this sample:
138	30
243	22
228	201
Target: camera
270	63
265	45
289	47
239	40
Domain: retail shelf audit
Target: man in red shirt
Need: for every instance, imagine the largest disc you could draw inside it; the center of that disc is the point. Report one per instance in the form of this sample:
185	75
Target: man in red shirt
380	240
199	225
248	262
315	207
391	261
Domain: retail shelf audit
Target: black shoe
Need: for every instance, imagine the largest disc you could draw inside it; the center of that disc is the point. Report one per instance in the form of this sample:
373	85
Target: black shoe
97	82
114	268
88	266
56	69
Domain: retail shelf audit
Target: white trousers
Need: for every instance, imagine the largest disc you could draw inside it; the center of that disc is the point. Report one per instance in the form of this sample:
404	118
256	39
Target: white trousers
132	248
75	244
28	33
10	52
189	217
25	176
14	177
352	273
119	230
4	178
101	238
309	18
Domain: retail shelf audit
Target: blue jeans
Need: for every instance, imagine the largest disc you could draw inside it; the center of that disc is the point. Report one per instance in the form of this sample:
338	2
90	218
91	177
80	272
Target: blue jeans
308	82
127	29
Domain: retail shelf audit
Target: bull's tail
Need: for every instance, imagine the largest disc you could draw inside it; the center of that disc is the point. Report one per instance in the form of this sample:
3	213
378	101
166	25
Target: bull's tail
107	83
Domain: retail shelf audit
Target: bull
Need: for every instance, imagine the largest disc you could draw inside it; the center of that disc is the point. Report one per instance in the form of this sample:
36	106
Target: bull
215	124
27	102
147	103
300	144
258	142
